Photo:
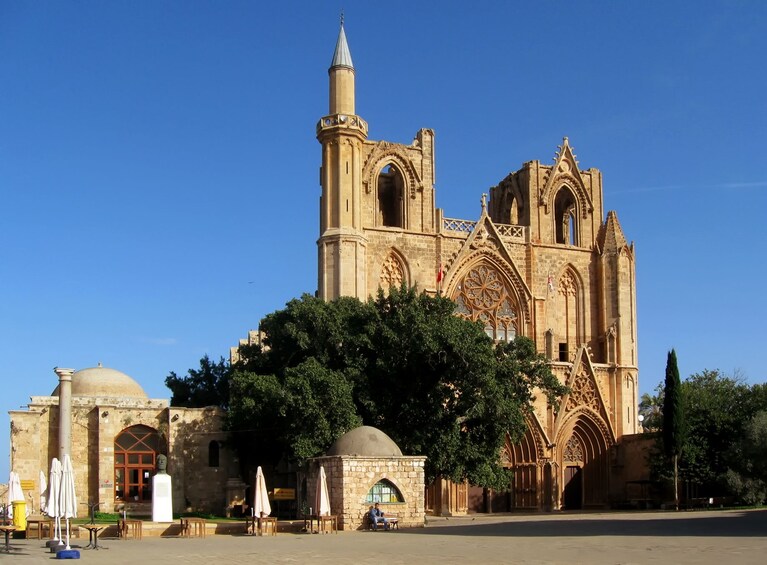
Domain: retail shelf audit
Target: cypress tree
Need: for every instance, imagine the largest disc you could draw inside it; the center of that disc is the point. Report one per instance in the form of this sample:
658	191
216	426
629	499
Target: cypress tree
673	419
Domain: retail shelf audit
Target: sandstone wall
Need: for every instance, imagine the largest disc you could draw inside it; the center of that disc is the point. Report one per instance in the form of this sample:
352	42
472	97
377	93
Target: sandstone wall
350	478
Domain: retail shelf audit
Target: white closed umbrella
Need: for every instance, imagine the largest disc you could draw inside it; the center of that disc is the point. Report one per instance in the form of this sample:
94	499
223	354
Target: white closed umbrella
54	487
261	506
322	497
67	496
15	493
43	491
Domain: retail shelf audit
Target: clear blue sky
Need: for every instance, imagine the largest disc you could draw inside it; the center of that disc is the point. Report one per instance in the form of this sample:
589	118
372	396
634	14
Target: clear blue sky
159	171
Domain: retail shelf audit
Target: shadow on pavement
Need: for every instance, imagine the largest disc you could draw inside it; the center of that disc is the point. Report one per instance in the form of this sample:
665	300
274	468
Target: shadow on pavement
731	524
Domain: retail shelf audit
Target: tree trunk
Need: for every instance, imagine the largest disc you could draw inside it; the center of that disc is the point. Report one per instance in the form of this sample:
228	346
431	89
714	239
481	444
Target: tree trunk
676	481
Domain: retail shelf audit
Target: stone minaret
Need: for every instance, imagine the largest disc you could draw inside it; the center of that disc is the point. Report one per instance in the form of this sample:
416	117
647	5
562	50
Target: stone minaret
342	246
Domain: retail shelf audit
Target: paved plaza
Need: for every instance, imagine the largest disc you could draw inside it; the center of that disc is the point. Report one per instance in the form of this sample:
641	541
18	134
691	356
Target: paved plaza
716	537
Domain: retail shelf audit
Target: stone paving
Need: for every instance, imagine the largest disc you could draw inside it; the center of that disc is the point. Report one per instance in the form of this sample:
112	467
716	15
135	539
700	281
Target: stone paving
715	537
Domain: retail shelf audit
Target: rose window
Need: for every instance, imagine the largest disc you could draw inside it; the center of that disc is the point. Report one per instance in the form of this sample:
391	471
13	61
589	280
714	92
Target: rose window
482	296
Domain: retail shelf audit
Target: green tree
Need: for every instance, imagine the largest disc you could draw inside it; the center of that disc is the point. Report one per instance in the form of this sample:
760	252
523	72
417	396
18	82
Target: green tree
295	415
716	408
651	409
673	419
208	386
748	481
404	363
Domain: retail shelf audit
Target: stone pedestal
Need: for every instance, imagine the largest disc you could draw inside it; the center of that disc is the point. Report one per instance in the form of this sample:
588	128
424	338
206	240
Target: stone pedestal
162	498
235	494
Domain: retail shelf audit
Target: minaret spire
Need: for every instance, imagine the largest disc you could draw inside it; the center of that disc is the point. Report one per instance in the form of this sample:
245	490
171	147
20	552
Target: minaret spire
342	57
341	73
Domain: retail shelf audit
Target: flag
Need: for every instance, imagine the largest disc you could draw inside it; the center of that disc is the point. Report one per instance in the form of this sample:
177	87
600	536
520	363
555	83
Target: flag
440	274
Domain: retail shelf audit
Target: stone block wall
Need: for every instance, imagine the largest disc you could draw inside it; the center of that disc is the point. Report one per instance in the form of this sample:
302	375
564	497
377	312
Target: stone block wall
350	478
97	421
199	485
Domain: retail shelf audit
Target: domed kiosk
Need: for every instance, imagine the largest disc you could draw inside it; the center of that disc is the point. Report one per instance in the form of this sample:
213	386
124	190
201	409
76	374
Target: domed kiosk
365	441
365	466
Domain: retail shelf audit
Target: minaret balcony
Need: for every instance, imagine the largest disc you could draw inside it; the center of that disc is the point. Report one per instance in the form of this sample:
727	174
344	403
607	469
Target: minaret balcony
336	122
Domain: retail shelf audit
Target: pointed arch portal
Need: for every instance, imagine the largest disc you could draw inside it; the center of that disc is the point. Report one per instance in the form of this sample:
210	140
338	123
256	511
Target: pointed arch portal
585	466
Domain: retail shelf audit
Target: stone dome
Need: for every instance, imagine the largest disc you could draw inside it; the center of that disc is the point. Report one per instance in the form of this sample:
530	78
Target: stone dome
104	382
365	441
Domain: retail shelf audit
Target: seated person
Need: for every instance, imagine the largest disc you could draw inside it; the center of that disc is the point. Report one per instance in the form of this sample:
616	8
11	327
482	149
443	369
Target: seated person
376	515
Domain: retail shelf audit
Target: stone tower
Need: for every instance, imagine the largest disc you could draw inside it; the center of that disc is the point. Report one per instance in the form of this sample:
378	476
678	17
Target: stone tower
542	261
373	193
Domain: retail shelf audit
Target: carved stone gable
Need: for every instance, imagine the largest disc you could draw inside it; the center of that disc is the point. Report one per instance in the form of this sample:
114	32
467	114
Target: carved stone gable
484	240
584	393
565	171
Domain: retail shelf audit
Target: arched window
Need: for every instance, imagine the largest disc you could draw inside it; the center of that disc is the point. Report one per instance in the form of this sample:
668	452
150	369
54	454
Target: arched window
384	492
514	212
565	217
482	296
213	453
136	449
569	314
391	186
392	272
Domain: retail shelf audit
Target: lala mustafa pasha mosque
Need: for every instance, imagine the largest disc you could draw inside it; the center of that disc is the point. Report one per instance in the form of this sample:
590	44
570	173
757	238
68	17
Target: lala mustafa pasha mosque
543	260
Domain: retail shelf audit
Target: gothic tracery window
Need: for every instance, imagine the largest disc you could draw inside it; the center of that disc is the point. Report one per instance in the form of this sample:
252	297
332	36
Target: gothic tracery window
482	296
392	273
568	314
573	451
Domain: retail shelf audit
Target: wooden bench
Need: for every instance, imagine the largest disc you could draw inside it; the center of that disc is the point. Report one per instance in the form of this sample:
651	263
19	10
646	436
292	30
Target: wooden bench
391	518
126	526
37	526
193	527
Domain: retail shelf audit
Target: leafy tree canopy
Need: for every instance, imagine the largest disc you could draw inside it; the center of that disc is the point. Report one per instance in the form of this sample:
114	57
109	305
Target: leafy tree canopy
403	363
651	408
208	386
722	427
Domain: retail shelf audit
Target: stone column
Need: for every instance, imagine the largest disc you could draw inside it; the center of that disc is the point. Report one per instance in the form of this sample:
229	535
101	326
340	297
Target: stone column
65	411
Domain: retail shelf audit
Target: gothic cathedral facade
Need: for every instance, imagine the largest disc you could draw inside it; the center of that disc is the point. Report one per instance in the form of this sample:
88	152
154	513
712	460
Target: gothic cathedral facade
543	261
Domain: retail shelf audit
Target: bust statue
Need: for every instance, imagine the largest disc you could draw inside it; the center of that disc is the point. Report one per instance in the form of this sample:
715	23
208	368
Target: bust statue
162	464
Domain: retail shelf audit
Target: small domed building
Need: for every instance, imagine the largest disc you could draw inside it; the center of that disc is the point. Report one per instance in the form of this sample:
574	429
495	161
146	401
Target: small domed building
365	466
115	434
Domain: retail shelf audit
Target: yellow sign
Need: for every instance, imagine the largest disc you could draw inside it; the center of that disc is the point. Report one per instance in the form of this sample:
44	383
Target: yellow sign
27	485
284	494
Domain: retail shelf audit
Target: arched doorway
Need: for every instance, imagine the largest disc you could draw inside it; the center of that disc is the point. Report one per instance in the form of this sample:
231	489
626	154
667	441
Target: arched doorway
585	466
524	462
136	450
